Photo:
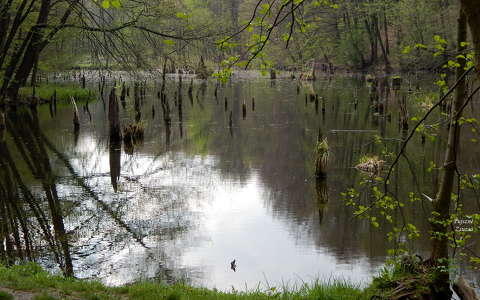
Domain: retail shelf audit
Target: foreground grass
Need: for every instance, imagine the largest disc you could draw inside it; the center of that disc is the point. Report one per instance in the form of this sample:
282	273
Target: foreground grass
63	92
43	285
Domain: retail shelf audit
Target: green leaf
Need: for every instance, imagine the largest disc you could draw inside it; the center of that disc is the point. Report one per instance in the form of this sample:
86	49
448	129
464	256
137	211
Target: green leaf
406	50
420	46
169	42
106	4
438	39
116	3
181	15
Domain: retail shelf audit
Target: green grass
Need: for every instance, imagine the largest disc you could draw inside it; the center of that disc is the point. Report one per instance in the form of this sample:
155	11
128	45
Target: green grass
63	93
44	296
32	278
5	296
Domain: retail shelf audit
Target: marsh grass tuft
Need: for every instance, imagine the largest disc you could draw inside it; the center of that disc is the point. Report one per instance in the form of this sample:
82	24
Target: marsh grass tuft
322	153
133	133
370	164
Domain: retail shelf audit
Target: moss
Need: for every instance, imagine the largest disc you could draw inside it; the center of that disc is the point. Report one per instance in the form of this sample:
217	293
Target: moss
410	277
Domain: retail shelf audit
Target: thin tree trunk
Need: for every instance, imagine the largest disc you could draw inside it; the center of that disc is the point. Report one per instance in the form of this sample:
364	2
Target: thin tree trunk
33	51
471	8
441	206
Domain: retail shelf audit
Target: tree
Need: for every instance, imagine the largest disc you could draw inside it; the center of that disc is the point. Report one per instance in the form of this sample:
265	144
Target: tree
111	31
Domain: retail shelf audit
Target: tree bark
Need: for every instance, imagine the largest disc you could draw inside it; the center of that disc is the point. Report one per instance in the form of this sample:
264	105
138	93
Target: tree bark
32	51
441	206
471	8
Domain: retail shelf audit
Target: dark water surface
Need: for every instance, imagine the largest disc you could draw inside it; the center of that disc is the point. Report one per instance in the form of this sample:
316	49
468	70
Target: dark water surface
198	194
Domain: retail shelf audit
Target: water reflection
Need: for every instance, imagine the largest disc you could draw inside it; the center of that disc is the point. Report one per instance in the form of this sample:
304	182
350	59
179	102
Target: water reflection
29	142
209	184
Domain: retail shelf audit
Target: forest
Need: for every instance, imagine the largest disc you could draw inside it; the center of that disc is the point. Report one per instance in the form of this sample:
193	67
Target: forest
239	149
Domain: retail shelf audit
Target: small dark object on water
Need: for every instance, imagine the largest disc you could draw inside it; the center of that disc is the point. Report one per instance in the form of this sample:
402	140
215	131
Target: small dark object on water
226	103
233	266
244	110
253	104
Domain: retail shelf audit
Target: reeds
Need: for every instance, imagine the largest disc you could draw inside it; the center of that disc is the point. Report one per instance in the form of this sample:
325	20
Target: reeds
133	133
370	164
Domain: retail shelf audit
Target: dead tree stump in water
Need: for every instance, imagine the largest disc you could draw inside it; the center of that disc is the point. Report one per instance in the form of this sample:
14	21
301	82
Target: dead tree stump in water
166	111
54	100
76	119
273	74
244	110
113	116
83	81
190	89
202	71
122	95
403	113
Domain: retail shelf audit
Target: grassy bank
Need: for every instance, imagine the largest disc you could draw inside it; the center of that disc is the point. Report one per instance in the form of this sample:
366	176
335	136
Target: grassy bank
63	92
38	284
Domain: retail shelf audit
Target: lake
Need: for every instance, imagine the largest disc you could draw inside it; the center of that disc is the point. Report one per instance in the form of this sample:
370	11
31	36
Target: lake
218	184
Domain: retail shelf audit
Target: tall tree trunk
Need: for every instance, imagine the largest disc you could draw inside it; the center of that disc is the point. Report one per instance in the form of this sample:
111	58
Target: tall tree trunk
373	44
382	47
20	16
385	28
32	51
471	8
441	206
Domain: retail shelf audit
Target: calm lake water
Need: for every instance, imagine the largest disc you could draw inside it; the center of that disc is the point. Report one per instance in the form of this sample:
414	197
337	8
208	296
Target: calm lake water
197	194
